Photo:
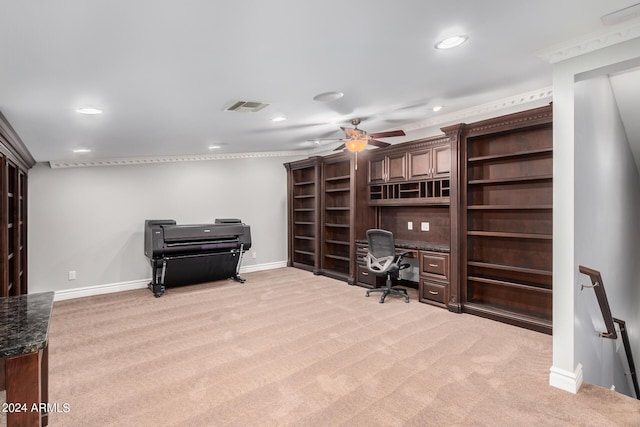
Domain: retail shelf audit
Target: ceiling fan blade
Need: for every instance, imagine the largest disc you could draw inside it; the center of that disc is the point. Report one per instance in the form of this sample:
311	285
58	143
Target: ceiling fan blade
388	134
340	147
378	143
325	139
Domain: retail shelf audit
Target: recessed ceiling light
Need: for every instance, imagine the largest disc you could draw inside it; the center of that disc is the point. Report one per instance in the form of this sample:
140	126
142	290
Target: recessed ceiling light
89	110
451	42
437	108
328	96
279	119
82	150
214	147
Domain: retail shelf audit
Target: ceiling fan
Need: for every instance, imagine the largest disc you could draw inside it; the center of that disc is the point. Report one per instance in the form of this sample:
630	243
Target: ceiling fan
357	139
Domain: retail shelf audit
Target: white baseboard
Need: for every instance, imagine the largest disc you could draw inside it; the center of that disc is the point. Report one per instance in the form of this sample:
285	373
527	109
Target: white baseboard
261	267
565	380
143	283
100	289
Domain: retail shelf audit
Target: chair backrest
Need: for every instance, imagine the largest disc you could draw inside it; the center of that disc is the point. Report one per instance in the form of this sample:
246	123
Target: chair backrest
381	243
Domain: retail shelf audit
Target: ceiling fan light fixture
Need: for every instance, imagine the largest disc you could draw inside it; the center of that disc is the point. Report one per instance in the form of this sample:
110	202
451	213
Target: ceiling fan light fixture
356	145
328	96
451	42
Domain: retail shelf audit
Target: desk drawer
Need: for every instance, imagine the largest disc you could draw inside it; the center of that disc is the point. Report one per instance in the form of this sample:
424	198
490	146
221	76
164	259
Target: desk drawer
434	263
432	291
366	277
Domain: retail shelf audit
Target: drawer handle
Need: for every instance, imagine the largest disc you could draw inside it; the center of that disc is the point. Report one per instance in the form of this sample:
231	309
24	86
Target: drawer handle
364	273
433	265
433	292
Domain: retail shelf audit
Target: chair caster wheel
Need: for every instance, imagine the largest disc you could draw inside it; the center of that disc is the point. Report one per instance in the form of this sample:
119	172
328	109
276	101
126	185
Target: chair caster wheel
367	295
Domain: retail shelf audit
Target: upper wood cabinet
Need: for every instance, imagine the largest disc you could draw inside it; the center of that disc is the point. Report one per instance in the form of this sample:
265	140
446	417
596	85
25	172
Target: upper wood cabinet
388	168
432	162
415	172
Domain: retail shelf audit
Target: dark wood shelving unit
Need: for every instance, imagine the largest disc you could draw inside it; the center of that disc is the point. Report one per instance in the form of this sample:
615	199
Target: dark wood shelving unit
15	161
303	178
507	219
324	195
337	204
482	193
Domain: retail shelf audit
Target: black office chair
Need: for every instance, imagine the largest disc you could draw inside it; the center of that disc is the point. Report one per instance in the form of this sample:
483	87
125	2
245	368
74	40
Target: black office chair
382	260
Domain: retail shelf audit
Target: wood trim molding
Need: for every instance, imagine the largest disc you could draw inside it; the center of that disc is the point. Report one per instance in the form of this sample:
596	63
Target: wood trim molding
12	146
538	116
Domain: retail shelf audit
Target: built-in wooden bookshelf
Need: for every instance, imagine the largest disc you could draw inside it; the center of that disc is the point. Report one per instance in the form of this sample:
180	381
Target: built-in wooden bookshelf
15	161
507	219
337	205
304	215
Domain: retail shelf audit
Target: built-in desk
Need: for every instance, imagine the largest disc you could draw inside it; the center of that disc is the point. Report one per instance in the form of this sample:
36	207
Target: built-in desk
24	334
433	258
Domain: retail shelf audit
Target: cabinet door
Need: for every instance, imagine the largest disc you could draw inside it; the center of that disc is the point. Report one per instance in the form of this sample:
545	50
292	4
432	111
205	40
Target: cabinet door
442	160
397	167
376	170
420	164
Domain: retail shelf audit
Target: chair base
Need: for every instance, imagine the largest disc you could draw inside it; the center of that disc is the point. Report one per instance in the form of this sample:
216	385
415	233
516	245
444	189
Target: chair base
388	290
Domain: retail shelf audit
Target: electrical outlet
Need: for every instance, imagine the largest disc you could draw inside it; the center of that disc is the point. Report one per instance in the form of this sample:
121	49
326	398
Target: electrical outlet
424	226
72	275
254	255
409	225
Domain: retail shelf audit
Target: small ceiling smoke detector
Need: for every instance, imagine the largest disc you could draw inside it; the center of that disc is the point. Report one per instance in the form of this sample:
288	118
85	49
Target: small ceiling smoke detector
328	96
246	106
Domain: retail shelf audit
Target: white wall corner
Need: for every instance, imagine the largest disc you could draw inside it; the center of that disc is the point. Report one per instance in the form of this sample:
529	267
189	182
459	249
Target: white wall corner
565	380
141	284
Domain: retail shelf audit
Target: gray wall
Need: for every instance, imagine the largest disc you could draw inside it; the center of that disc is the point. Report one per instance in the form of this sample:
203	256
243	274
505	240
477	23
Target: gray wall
91	220
607	231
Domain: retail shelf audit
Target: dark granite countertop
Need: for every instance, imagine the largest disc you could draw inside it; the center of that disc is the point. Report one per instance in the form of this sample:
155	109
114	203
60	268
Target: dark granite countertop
418	245
24	323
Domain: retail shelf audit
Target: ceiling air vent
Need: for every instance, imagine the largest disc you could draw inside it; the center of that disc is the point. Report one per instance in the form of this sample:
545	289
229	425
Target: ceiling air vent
246	106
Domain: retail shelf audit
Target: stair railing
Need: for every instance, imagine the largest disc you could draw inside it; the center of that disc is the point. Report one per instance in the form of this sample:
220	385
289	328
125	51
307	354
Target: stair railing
603	302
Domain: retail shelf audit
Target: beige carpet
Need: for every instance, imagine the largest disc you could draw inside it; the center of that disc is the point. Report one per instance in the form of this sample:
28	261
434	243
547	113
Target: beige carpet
291	348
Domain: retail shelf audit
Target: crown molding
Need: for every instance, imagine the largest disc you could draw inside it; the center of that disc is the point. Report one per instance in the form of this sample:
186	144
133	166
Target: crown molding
609	37
523	99
128	161
495	107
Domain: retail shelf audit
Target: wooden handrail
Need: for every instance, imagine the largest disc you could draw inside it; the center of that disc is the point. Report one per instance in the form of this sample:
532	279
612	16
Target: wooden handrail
601	295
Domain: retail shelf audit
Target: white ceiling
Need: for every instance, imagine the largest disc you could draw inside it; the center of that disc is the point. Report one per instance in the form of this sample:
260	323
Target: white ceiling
163	71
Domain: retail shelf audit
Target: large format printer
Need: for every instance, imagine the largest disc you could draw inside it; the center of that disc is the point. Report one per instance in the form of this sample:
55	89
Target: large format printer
187	254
